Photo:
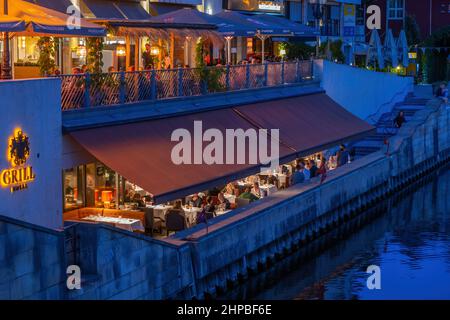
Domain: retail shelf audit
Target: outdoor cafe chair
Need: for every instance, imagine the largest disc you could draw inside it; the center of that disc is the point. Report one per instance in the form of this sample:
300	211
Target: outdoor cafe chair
175	221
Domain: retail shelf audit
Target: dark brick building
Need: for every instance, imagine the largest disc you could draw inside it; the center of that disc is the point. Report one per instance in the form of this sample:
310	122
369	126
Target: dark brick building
430	15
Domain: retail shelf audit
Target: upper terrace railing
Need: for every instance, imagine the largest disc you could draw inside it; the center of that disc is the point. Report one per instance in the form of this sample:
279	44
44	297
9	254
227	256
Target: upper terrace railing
106	89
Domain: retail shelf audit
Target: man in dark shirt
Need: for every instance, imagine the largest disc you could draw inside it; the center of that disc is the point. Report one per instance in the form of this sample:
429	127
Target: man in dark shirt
147	58
399	120
442	92
196	201
342	156
209	208
313	168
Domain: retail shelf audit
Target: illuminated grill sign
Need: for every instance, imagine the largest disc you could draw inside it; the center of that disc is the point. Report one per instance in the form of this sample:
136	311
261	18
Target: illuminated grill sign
19	174
273	6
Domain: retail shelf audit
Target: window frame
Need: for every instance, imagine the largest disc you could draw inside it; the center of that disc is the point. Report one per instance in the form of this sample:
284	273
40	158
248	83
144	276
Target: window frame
398	9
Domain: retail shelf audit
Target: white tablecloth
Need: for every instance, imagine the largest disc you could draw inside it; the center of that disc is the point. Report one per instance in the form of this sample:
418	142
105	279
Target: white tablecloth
230	197
268	188
191	215
219	213
122	223
160	210
244	184
281	178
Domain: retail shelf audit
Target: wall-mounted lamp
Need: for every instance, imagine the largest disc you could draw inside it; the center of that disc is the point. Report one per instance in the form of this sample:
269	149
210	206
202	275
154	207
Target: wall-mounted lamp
121	51
154	50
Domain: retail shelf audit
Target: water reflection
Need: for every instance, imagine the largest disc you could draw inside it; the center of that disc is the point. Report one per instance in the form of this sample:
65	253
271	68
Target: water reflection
408	236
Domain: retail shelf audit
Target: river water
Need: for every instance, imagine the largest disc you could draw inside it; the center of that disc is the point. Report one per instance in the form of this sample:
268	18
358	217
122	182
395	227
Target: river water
407	236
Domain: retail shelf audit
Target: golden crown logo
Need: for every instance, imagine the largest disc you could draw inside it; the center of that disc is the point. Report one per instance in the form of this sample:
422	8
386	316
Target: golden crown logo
19	148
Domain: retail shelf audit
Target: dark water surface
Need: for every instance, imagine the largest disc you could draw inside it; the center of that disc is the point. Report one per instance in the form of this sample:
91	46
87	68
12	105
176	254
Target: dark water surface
407	236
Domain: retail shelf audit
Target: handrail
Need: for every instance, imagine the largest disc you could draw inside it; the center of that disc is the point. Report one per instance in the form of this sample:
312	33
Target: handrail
116	88
380	111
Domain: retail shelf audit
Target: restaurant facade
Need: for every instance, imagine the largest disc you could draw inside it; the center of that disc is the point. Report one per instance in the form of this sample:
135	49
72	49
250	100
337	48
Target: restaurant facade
127	171
132	39
131	25
120	171
104	171
125	39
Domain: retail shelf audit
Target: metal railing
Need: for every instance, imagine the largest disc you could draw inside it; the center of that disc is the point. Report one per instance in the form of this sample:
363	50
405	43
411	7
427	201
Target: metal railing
106	89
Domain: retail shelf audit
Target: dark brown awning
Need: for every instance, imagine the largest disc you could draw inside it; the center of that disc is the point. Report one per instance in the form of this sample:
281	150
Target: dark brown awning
141	152
308	123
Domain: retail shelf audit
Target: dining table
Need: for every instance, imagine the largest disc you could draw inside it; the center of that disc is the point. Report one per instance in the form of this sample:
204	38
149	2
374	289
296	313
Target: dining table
221	212
282	178
268	188
118	222
190	214
230	197
160	210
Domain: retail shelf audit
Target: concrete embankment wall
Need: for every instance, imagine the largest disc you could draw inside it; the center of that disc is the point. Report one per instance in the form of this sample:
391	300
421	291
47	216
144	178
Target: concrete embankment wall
32	264
366	94
119	265
116	264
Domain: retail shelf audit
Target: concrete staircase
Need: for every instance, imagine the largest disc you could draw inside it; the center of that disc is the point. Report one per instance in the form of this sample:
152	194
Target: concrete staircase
385	125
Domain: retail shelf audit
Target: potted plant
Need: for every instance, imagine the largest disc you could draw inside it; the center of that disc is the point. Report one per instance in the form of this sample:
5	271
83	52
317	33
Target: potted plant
26	69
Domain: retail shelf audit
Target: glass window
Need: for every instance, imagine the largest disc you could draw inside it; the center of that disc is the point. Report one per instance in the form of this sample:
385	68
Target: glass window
105	187
96	185
295	11
335	12
27	49
90	185
249	45
73	188
395	9
360	15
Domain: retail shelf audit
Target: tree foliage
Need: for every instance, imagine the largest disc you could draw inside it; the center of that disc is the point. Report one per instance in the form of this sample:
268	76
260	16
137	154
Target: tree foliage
298	50
336	50
412	30
46	59
210	76
434	61
94	54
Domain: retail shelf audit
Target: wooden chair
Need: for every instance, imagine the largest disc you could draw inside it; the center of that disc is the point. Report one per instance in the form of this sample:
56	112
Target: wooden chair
151	222
175	221
242	202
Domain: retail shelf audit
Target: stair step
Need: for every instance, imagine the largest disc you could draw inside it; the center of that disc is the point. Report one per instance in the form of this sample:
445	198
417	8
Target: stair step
416	101
366	147
385	126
